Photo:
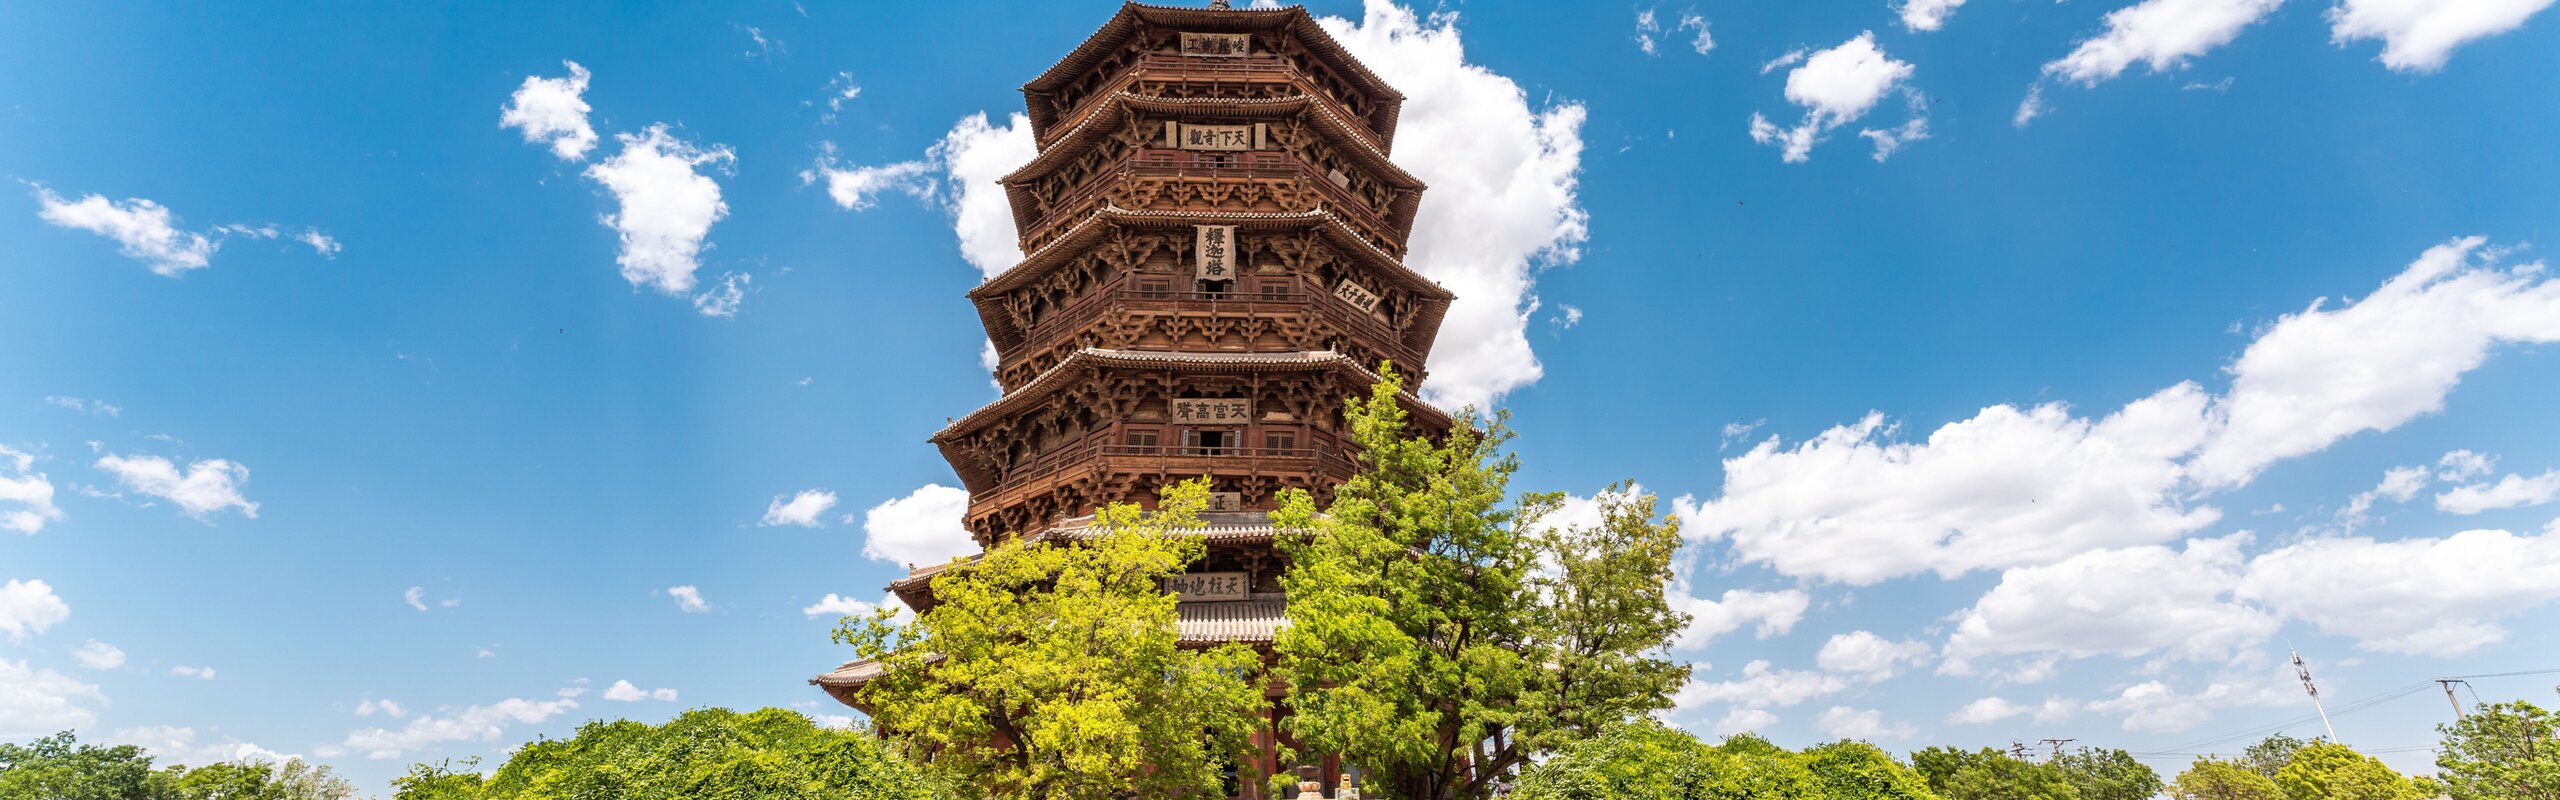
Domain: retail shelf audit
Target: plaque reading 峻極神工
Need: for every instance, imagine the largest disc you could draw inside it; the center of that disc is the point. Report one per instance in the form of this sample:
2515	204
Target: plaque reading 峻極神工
1217	44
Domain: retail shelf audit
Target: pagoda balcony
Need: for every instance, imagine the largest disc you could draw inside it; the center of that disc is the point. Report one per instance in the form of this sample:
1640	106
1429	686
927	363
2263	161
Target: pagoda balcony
1227	168
1118	297
1211	71
1067	465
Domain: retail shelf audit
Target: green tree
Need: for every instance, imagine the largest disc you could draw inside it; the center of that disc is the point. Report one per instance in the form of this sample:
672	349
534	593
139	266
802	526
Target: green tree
1852	770
1634	761
2214	779
1642	760
1989	774
1053	670
2503	751
2108	775
1425	645
2267	757
59	767
705	754
2327	771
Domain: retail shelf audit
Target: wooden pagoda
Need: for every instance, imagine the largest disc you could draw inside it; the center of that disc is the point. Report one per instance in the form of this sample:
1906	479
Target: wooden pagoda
1214	239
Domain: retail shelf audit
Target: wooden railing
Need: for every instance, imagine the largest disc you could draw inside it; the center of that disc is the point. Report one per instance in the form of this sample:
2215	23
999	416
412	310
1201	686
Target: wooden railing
1118	294
1208	69
1174	460
1249	165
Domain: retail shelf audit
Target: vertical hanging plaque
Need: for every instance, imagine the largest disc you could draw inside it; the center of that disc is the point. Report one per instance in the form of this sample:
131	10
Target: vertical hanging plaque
1216	252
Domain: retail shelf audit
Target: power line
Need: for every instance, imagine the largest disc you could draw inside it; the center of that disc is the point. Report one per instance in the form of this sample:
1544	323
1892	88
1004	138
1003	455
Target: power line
2186	749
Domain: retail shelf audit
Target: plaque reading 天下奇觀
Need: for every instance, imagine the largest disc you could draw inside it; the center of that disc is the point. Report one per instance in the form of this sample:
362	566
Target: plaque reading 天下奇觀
1188	136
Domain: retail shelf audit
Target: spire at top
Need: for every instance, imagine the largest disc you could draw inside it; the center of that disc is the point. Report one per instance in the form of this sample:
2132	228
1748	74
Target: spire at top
1220	5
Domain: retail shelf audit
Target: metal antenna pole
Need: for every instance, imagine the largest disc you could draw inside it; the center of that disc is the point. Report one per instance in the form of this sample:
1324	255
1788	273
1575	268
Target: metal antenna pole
2304	670
2448	683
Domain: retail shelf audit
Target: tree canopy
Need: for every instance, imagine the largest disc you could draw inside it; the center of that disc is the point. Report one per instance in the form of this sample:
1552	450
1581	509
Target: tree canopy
1989	774
704	754
1643	760
59	767
1054	669
1440	636
2503	751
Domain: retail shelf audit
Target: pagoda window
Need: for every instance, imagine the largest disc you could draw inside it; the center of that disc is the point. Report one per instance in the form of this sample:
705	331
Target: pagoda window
1154	289
1216	290
1279	441
1142	442
1210	442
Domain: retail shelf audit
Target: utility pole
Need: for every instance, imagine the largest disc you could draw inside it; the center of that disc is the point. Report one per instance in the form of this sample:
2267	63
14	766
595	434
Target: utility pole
2056	744
2017	750
2304	670
2448	683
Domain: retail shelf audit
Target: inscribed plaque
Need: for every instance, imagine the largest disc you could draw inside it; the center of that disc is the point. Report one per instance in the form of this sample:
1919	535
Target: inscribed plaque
1212	410
1216	252
1357	295
1217	44
1210	585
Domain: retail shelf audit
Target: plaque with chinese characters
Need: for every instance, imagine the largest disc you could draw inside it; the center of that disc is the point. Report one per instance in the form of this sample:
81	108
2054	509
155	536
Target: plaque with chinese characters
1188	136
1357	295
1216	252
1210	586
1213	411
1217	44
1225	501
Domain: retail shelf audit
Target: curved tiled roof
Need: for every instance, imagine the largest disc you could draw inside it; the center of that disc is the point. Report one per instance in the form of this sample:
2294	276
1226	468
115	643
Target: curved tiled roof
1098	122
1197	362
1083	232
1117	30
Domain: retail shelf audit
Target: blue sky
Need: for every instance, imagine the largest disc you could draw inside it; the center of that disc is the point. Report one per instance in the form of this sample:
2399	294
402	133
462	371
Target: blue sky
343	421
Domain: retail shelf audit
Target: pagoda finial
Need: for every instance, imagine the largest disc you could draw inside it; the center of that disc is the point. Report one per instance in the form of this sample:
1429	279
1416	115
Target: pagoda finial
1220	5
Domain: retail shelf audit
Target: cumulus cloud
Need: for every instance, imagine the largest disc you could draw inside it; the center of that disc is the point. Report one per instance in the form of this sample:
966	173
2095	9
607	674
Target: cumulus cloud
1926	15
688	599
970	158
1987	710
921	528
723	298
623	691
1503	204
99	655
2419	595
485	723
37	702
1868	657
2398	485
199	673
835	605
1759	686
2512	491
553	110
416	597
1769	614
1701	42
2128	602
2156	707
204	487
2418	35
1744	720
143	230
667	206
2019	487
169	744
2161	34
807	509
1836	87
29	607
387	708
1843	722
858	188
27	490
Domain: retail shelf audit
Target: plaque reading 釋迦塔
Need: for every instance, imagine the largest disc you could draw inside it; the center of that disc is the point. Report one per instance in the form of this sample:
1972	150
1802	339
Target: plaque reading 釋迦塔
1216	252
1210	586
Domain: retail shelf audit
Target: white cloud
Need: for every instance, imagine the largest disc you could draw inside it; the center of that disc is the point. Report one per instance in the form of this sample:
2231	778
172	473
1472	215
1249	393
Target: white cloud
1761	687
838	722
482	723
2322	375
99	407
1987	710
973	155
2398	485
320	243
170	744
2422	595
28	489
807	509
1843	722
2162	34
143	230
199	673
1835	87
2012	487
1503	203
840	89
1744	720
1646	27
835	605
2155	707
859	188
688	599
552	110
37	702
1868	657
206	486
2127	602
2418	35
667	206
2007	487
1926	15
416	597
2512	491
921	528
723	299
623	691
1702	42
99	655
384	707
2464	465
28	608
1770	614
